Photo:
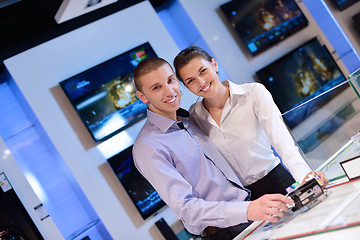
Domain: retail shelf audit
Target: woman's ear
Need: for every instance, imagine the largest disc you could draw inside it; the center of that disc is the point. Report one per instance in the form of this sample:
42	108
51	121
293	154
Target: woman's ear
142	97
214	63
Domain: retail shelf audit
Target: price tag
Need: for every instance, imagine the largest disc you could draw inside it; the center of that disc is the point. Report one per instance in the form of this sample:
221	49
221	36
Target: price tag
351	167
4	183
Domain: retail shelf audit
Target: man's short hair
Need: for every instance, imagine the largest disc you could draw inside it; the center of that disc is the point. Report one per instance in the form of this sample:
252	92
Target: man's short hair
146	66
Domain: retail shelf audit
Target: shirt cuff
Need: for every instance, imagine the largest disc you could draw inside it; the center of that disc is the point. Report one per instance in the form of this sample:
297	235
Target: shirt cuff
236	213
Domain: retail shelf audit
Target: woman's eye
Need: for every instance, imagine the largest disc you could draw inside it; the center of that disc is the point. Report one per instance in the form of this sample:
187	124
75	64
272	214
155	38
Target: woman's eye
156	88
190	81
203	71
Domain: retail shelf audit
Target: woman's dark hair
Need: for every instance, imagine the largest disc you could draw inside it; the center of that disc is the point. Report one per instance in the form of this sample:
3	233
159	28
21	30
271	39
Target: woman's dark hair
188	54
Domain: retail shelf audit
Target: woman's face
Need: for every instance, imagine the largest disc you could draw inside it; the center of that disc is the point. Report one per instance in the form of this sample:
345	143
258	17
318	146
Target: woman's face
200	77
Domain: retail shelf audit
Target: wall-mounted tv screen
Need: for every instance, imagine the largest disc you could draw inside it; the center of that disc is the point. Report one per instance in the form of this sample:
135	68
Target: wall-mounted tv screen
262	23
356	21
343	4
299	76
140	191
104	96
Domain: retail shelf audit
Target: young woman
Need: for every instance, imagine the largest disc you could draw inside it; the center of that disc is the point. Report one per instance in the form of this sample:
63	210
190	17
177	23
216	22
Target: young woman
244	123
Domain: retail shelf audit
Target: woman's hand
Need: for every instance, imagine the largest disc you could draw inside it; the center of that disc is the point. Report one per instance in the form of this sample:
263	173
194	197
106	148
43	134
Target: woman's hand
323	181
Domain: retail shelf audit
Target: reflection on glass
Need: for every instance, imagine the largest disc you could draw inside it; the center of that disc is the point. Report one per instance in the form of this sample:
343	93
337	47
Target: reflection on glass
326	123
304	75
354	80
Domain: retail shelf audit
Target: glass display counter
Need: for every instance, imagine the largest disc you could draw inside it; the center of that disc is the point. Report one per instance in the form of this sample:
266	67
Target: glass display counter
326	129
339	210
324	124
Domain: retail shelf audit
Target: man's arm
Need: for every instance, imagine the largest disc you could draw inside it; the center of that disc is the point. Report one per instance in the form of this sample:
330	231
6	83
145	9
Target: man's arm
195	212
194	208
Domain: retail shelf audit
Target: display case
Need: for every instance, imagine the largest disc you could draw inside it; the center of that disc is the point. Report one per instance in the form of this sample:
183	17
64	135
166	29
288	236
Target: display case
328	137
332	123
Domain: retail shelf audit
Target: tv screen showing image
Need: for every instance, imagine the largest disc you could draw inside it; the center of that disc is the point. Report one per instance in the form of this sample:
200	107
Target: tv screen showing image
140	191
299	76
104	96
343	4
356	22
261	24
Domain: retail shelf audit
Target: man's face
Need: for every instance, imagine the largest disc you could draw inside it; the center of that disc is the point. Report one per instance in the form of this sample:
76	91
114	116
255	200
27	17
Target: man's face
161	91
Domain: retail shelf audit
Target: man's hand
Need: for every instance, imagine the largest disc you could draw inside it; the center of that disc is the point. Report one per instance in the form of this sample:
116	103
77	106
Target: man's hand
321	176
268	207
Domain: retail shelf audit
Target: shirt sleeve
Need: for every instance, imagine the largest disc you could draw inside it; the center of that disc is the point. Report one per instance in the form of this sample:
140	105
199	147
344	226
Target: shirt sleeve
280	138
195	212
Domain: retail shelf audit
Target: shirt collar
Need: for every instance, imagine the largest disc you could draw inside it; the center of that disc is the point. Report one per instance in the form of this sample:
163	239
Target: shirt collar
164	123
234	90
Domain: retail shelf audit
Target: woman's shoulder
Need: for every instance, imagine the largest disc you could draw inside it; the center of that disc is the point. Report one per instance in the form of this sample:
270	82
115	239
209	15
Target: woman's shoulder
254	88
247	88
195	108
252	85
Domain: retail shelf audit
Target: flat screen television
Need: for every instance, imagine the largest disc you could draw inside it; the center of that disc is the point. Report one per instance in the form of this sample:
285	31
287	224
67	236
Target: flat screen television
306	72
356	21
343	4
15	222
261	24
140	191
104	96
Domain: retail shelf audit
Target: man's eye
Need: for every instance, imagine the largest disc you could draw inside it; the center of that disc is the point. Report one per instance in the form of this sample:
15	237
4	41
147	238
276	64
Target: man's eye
155	88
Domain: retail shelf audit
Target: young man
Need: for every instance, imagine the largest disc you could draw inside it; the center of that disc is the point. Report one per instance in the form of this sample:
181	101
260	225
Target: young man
185	167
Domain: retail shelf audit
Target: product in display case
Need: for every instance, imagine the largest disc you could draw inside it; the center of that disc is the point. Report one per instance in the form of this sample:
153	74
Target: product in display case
140	191
307	194
307	72
261	24
104	96
15	222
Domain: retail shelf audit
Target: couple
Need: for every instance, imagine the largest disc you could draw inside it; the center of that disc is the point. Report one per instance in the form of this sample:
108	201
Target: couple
200	164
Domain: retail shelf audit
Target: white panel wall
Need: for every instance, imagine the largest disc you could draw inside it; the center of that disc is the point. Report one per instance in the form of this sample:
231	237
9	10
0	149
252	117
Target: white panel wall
16	177
37	73
229	50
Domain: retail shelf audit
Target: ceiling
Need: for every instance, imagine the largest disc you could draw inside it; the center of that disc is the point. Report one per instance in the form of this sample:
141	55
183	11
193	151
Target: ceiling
27	23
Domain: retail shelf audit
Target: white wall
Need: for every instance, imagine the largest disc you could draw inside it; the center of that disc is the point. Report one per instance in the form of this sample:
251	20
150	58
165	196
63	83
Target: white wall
37	73
16	177
238	64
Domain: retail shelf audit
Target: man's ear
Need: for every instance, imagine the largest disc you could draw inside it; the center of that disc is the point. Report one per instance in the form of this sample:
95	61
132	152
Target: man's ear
142	97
